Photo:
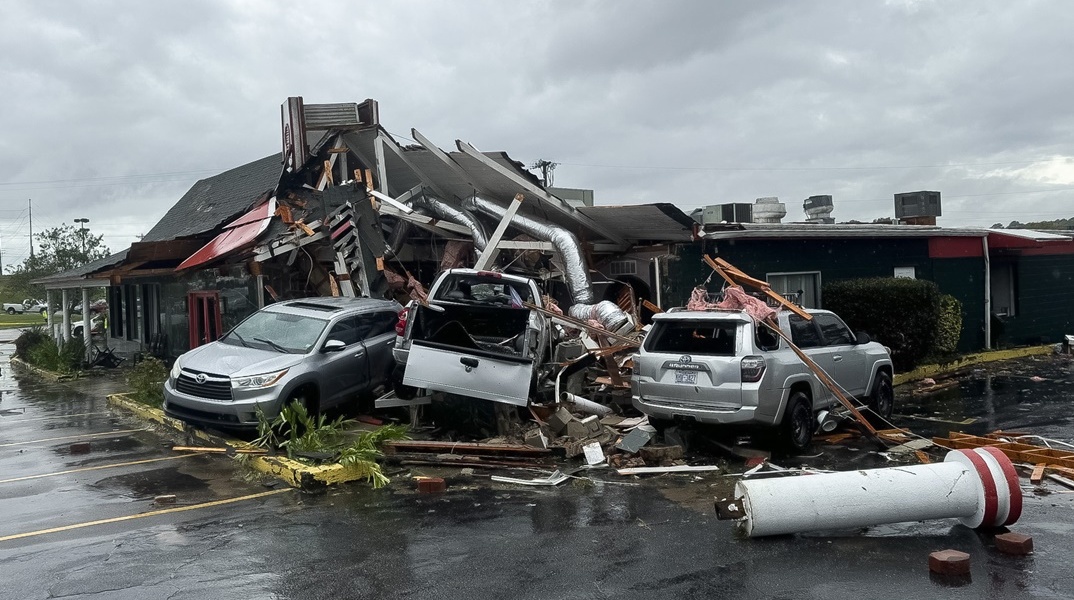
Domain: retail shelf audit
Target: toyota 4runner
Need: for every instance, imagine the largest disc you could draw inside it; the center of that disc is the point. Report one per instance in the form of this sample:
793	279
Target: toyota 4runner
720	367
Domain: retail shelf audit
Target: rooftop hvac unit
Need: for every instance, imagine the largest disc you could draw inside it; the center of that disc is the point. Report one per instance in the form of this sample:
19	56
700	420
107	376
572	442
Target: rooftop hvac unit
725	213
818	209
917	204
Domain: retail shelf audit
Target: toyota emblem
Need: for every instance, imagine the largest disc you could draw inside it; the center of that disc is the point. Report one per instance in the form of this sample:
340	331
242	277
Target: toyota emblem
685	358
200	378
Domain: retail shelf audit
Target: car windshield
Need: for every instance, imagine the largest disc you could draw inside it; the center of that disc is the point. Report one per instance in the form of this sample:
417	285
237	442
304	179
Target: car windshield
281	332
712	338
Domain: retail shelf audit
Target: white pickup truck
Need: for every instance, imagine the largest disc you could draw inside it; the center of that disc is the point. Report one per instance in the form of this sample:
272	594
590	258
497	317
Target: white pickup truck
475	338
31	306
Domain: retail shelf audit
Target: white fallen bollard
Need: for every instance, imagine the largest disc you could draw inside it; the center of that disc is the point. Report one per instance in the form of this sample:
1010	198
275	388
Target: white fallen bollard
979	487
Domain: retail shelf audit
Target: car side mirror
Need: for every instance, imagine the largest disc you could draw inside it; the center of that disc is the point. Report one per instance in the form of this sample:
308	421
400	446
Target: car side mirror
333	346
863	338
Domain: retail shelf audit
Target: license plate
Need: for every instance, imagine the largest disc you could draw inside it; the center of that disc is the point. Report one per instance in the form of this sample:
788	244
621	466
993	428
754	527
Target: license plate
686	377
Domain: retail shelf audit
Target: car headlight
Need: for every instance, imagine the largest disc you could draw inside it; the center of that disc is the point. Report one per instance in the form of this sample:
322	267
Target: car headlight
176	369
257	381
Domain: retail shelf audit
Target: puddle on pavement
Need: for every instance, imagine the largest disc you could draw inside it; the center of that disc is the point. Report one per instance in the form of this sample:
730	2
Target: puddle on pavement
1028	394
150	483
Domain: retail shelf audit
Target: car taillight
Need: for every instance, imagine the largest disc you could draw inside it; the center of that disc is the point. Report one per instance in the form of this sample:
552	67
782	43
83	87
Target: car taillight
400	325
752	368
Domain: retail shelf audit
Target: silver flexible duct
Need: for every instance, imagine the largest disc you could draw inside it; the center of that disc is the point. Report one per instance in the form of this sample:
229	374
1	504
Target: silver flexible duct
569	248
447	212
606	312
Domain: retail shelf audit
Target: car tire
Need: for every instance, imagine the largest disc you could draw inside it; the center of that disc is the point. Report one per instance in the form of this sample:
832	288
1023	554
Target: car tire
882	400
404	392
307	398
77	332
10	311
798	423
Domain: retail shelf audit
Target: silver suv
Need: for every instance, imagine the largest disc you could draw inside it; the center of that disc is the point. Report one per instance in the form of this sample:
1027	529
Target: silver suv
719	367
323	352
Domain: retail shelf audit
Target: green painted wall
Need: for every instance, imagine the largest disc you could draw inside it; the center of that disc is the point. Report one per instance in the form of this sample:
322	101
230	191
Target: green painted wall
836	259
1044	301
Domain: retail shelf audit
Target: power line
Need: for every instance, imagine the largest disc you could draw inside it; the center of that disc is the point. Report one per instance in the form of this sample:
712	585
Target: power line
764	169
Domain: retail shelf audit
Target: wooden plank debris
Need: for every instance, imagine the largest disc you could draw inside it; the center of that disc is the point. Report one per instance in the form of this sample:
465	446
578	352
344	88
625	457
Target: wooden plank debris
1038	473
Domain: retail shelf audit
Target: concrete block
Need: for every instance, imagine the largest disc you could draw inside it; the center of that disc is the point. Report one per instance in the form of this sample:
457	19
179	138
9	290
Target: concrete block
592	425
431	485
536	438
164	499
559	420
949	562
81	448
1014	543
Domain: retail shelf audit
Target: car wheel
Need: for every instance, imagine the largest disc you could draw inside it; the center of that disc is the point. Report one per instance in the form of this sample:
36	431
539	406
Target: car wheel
798	423
10	311
307	397
882	400
404	392
77	332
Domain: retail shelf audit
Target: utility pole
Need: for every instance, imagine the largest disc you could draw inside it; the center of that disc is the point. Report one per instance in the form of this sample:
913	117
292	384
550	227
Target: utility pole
30	206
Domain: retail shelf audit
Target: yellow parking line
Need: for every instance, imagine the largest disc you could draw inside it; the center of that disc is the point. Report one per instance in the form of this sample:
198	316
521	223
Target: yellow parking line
72	437
99	467
152	513
6	420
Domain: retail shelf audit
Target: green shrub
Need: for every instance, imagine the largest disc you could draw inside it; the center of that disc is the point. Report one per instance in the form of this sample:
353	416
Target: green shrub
30	338
902	314
146	381
38	348
949	326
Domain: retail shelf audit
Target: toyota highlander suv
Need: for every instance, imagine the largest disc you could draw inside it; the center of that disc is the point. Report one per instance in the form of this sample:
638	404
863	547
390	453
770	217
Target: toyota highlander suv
321	352
720	367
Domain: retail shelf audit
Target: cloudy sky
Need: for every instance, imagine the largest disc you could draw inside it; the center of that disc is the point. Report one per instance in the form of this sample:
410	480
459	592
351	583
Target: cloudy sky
111	110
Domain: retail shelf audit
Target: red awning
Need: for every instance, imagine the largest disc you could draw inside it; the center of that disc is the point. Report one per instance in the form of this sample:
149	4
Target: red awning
236	235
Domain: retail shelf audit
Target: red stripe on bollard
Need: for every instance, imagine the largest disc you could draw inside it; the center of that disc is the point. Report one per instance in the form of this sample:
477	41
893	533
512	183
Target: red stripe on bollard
1012	484
988	483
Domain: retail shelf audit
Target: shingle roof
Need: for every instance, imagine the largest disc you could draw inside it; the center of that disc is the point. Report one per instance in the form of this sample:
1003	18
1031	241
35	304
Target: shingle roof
217	199
79	274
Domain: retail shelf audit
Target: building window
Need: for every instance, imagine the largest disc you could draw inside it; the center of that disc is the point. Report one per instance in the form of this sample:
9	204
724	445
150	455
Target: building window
1004	279
804	286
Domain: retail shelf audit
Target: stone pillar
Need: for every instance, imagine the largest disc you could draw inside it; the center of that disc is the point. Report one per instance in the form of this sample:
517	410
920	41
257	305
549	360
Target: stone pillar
66	315
87	324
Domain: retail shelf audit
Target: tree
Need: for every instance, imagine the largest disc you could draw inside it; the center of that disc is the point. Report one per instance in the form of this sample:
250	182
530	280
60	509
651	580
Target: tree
58	249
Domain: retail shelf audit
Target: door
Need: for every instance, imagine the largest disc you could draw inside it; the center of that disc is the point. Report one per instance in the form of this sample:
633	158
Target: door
848	362
377	332
203	310
343	371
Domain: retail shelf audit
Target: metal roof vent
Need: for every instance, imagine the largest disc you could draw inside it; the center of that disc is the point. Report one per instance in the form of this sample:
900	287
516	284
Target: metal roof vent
769	210
818	209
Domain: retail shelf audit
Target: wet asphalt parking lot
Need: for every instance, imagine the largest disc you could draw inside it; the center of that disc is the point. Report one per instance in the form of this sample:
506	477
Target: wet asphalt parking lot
85	525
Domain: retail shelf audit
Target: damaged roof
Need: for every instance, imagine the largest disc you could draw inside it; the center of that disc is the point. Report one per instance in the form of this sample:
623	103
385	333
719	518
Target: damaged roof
457	175
215	200
81	276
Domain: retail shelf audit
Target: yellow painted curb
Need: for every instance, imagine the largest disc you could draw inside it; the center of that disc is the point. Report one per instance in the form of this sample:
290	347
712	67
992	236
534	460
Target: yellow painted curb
289	471
968	360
